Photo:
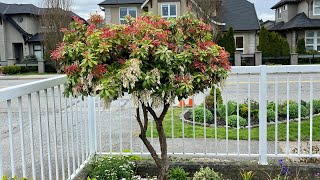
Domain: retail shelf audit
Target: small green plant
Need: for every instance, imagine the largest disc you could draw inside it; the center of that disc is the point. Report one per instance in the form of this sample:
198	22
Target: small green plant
14	69
210	99
232	108
293	110
207	174
232	121
14	178
271	115
316	106
111	167
178	174
199	115
247	175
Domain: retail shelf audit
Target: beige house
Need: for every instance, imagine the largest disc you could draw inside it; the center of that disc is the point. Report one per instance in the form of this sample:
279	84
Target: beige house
20	32
239	14
297	19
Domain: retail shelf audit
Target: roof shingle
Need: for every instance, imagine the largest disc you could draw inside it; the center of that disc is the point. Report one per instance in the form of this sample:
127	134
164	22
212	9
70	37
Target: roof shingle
240	15
116	2
283	2
299	21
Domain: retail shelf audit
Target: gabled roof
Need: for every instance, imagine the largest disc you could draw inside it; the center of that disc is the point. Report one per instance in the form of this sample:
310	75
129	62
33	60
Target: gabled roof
240	15
38	37
9	9
116	2
299	21
283	2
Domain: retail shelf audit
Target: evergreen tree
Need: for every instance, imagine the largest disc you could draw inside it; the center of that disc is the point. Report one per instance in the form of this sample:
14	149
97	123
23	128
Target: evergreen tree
301	46
230	42
264	41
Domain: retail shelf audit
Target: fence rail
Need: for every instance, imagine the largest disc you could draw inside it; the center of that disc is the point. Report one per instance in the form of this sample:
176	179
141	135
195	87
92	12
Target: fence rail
48	136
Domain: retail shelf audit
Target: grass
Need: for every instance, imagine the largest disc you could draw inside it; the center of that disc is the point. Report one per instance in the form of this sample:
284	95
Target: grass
232	133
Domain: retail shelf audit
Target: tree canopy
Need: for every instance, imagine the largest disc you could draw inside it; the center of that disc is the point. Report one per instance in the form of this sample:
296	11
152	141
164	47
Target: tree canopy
150	57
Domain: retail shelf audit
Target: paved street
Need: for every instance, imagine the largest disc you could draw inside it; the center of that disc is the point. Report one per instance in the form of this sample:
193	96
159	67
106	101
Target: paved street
117	125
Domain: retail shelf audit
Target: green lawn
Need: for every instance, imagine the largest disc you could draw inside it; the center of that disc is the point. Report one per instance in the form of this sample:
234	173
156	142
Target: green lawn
243	133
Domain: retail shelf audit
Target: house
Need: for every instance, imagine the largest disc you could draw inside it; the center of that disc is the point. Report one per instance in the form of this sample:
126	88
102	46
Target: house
298	19
20	32
267	24
239	14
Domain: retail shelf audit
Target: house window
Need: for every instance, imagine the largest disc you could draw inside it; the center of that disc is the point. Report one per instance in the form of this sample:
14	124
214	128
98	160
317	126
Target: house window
124	11
316	7
279	13
37	51
284	7
313	40
169	11
239	43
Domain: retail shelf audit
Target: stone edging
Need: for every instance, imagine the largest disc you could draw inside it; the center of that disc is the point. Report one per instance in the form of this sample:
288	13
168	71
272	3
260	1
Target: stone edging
252	126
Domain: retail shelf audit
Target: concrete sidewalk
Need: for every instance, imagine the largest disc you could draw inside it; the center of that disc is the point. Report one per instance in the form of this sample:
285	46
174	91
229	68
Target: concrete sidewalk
27	77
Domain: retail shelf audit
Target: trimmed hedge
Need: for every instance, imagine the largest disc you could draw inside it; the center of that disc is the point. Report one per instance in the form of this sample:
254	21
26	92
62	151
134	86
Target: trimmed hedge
199	115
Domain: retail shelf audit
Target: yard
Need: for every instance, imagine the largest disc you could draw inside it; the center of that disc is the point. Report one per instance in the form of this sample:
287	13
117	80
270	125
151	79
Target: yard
232	132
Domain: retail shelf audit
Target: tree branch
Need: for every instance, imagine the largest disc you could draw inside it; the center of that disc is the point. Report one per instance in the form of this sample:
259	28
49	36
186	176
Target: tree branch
138	118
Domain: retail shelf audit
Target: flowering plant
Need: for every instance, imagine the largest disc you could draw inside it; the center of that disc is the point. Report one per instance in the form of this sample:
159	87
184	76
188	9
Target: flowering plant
151	58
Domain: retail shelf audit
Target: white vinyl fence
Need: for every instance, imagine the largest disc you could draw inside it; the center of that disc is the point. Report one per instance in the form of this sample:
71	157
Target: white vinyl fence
45	135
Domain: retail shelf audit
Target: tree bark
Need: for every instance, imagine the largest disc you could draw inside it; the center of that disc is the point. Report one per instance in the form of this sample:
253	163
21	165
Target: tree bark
161	162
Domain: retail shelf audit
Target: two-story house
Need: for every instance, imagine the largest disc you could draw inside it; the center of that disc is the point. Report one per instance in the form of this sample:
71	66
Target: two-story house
298	19
239	14
20	32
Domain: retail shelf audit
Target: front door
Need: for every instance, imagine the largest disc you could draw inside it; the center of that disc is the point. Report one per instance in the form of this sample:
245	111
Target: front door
18	51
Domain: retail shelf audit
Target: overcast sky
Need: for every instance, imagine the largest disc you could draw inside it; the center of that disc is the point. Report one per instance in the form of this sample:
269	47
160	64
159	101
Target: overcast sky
84	7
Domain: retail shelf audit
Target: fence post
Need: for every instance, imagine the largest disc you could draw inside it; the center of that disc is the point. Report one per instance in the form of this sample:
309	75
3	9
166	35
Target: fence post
263	85
237	58
294	59
258	58
92	125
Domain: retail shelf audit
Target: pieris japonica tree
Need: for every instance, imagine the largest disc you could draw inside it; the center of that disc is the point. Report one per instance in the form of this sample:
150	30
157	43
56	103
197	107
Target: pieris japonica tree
153	59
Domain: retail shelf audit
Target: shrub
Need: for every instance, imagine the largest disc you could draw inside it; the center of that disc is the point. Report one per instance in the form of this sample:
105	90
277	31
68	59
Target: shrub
111	167
232	121
293	110
271	115
254	110
11	69
177	174
301	46
210	99
227	41
199	115
207	174
316	106
221	109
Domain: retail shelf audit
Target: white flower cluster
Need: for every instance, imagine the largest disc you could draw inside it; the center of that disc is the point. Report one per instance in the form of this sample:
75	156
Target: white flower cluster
129	75
156	73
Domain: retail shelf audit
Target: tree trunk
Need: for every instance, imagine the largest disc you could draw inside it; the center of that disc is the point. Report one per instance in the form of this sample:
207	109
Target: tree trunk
161	162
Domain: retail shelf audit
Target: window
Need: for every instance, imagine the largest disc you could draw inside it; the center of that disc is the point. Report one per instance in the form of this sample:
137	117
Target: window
239	43
285	7
169	11
279	13
37	51
312	40
316	7
124	11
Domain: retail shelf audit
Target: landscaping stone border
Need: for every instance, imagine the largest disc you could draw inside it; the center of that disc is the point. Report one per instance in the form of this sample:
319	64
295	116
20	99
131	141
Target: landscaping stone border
231	170
252	126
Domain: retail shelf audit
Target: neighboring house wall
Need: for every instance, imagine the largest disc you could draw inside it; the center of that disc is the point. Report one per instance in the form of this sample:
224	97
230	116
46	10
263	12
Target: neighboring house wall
250	41
303	8
30	23
3	39
112	12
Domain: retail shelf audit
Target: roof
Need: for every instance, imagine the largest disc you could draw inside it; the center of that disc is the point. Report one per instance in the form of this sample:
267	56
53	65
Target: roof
38	37
116	2
9	9
240	15
283	2
299	21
